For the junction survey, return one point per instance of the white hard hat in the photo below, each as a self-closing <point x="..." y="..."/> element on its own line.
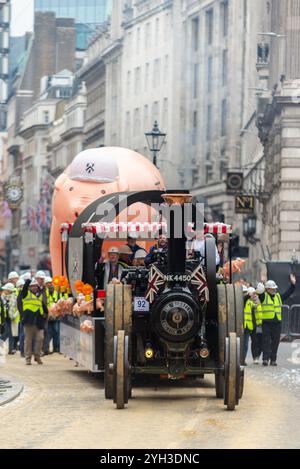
<point x="12" y="275"/>
<point x="40" y="274"/>
<point x="132" y="235"/>
<point x="9" y="286"/>
<point x="140" y="254"/>
<point x="33" y="282"/>
<point x="245" y="289"/>
<point x="270" y="284"/>
<point x="48" y="280"/>
<point x="251" y="290"/>
<point x="125" y="250"/>
<point x="20" y="283"/>
<point x="113" y="249"/>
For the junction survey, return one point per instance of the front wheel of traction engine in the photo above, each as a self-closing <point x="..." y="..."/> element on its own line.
<point x="230" y="320"/>
<point x="121" y="370"/>
<point x="232" y="372"/>
<point x="118" y="313"/>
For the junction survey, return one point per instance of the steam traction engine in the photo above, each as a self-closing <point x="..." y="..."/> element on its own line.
<point x="171" y="317"/>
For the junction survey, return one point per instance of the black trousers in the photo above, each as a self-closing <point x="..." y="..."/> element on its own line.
<point x="271" y="340"/>
<point x="256" y="345"/>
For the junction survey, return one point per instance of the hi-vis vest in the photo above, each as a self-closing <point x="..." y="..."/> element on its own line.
<point x="271" y="308"/>
<point x="51" y="299"/>
<point x="33" y="303"/>
<point x="248" y="315"/>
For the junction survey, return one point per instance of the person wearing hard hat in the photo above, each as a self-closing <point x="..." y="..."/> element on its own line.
<point x="7" y="291"/>
<point x="139" y="258"/>
<point x="252" y="316"/>
<point x="125" y="257"/>
<point x="14" y="312"/>
<point x="13" y="277"/>
<point x="20" y="284"/>
<point x="271" y="304"/>
<point x="110" y="270"/>
<point x="40" y="277"/>
<point x="53" y="322"/>
<point x="34" y="315"/>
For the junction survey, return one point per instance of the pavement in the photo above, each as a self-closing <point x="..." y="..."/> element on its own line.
<point x="10" y="388"/>
<point x="63" y="406"/>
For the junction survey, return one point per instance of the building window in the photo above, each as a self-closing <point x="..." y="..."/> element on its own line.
<point x="128" y="83"/>
<point x="165" y="114"/>
<point x="209" y="174"/>
<point x="156" y="37"/>
<point x="128" y="127"/>
<point x="223" y="168"/>
<point x="46" y="117"/>
<point x="167" y="27"/>
<point x="210" y="26"/>
<point x="195" y="128"/>
<point x="156" y="73"/>
<point x="208" y="128"/>
<point x="224" y="67"/>
<point x="166" y="70"/>
<point x="129" y="40"/>
<point x="146" y="117"/>
<point x="147" y="35"/>
<point x="195" y="81"/>
<point x="225" y="17"/>
<point x="147" y="75"/>
<point x="137" y="122"/>
<point x="155" y="111"/>
<point x="138" y="40"/>
<point x="224" y="118"/>
<point x="195" y="34"/>
<point x="137" y="81"/>
<point x="209" y="74"/>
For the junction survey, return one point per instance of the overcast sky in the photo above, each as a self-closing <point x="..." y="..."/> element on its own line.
<point x="22" y="17"/>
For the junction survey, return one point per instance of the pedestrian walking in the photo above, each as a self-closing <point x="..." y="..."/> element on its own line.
<point x="252" y="316"/>
<point x="14" y="314"/>
<point x="40" y="277"/>
<point x="20" y="284"/>
<point x="7" y="291"/>
<point x="53" y="330"/>
<point x="34" y="314"/>
<point x="271" y="303"/>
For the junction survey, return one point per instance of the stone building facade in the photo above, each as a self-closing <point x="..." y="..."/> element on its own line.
<point x="278" y="123"/>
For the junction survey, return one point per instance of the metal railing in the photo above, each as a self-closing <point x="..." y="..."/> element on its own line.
<point x="291" y="321"/>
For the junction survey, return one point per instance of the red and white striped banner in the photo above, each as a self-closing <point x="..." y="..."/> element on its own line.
<point x="138" y="227"/>
<point x="217" y="228"/>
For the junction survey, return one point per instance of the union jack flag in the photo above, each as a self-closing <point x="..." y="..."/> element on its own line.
<point x="42" y="216"/>
<point x="31" y="219"/>
<point x="198" y="278"/>
<point x="156" y="280"/>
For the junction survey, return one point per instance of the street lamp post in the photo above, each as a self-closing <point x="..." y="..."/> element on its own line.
<point x="155" y="140"/>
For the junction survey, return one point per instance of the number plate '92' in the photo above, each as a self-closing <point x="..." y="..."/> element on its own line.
<point x="141" y="304"/>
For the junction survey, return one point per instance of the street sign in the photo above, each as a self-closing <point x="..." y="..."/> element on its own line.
<point x="244" y="204"/>
<point x="234" y="183"/>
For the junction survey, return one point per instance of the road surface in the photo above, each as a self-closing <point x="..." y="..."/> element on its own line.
<point x="64" y="407"/>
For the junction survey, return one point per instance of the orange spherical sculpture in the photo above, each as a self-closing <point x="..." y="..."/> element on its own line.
<point x="92" y="174"/>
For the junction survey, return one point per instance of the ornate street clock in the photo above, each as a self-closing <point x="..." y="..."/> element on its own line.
<point x="14" y="195"/>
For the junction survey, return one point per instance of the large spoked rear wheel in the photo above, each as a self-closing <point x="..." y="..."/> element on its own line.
<point x="232" y="371"/>
<point x="118" y="314"/>
<point x="121" y="370"/>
